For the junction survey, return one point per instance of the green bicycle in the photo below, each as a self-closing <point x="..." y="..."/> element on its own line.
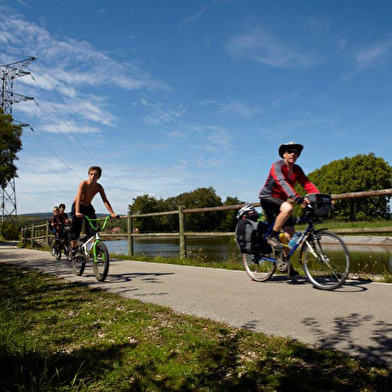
<point x="92" y="247"/>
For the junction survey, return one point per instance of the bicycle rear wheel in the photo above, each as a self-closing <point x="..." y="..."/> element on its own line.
<point x="326" y="260"/>
<point x="101" y="265"/>
<point x="258" y="269"/>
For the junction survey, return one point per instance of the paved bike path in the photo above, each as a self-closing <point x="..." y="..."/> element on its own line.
<point x="357" y="318"/>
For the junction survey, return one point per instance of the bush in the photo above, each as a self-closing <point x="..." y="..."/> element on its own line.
<point x="10" y="230"/>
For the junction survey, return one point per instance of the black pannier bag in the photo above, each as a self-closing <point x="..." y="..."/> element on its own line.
<point x="249" y="236"/>
<point x="321" y="203"/>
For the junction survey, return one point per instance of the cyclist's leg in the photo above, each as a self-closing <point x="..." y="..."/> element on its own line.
<point x="90" y="212"/>
<point x="274" y="207"/>
<point x="285" y="212"/>
<point x="75" y="229"/>
<point x="289" y="231"/>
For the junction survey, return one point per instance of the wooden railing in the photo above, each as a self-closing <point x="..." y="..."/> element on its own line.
<point x="42" y="232"/>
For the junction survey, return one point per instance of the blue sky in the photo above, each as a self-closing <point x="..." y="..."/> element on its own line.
<point x="171" y="95"/>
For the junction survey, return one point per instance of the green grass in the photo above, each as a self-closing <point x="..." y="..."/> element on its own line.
<point x="350" y="225"/>
<point x="58" y="336"/>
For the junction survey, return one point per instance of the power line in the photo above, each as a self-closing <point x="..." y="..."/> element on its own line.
<point x="96" y="152"/>
<point x="60" y="133"/>
<point x="43" y="163"/>
<point x="27" y="167"/>
<point x="53" y="151"/>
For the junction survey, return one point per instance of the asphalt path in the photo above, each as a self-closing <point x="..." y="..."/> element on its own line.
<point x="356" y="318"/>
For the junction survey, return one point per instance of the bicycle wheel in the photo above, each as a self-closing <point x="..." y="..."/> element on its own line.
<point x="57" y="253"/>
<point x="78" y="264"/>
<point x="258" y="269"/>
<point x="101" y="265"/>
<point x="53" y="249"/>
<point x="326" y="260"/>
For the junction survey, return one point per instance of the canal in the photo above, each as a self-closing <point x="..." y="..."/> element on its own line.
<point x="368" y="258"/>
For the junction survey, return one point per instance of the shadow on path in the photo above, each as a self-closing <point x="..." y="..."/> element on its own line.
<point x="379" y="351"/>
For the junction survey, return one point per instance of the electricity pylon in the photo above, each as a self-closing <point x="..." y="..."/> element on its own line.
<point x="8" y="73"/>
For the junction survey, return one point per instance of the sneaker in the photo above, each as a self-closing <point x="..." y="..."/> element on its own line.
<point x="274" y="242"/>
<point x="293" y="272"/>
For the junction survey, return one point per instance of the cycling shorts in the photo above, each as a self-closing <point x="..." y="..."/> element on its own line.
<point x="271" y="208"/>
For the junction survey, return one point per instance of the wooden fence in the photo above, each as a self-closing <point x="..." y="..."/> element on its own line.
<point x="42" y="232"/>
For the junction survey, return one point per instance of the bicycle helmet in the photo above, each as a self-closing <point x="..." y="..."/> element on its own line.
<point x="248" y="211"/>
<point x="288" y="146"/>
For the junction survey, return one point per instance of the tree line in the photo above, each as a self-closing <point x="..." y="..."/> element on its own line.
<point x="198" y="198"/>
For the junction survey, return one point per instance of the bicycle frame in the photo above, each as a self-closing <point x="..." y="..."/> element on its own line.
<point x="92" y="242"/>
<point x="308" y="229"/>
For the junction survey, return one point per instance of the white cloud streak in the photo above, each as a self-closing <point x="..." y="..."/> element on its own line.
<point x="259" y="46"/>
<point x="160" y="112"/>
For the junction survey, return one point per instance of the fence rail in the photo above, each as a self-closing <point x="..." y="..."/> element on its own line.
<point x="42" y="232"/>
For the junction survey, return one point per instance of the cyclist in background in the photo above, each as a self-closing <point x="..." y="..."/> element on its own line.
<point x="54" y="221"/>
<point x="278" y="188"/>
<point x="62" y="214"/>
<point x="63" y="218"/>
<point x="82" y="205"/>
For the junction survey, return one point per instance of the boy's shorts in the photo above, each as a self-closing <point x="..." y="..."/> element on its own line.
<point x="78" y="222"/>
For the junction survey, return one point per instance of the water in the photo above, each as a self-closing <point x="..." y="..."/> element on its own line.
<point x="369" y="259"/>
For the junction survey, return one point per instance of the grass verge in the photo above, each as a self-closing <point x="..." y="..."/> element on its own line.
<point x="58" y="336"/>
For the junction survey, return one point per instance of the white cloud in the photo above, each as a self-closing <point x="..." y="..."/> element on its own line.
<point x="257" y="45"/>
<point x="69" y="61"/>
<point x="24" y="3"/>
<point x="372" y="54"/>
<point x="196" y="15"/>
<point x="234" y="106"/>
<point x="161" y="112"/>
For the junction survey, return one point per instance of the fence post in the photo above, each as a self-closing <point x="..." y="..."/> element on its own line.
<point x="32" y="235"/>
<point x="181" y="219"/>
<point x="21" y="236"/>
<point x="47" y="233"/>
<point x="130" y="237"/>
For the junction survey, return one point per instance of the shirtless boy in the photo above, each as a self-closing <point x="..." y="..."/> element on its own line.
<point x="82" y="205"/>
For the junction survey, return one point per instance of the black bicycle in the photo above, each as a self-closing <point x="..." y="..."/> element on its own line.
<point x="323" y="255"/>
<point x="61" y="243"/>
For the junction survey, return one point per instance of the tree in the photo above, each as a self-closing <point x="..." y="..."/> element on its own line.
<point x="229" y="220"/>
<point x="199" y="198"/>
<point x="144" y="205"/>
<point x="10" y="145"/>
<point x="359" y="173"/>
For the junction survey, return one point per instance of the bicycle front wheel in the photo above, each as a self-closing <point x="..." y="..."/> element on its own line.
<point x="101" y="264"/>
<point x="78" y="264"/>
<point x="326" y="260"/>
<point x="258" y="269"/>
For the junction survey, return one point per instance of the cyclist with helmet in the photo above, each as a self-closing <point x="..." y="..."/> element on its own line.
<point x="278" y="188"/>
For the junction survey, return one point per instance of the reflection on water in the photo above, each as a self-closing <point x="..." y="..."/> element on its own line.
<point x="369" y="259"/>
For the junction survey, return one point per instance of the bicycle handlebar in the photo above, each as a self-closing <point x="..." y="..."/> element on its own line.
<point x="105" y="219"/>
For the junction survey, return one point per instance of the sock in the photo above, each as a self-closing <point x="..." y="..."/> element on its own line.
<point x="274" y="233"/>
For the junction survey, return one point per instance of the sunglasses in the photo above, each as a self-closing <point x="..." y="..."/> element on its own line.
<point x="291" y="151"/>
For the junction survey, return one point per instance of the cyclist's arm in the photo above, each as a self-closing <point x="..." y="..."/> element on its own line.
<point x="106" y="202"/>
<point x="78" y="199"/>
<point x="306" y="183"/>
